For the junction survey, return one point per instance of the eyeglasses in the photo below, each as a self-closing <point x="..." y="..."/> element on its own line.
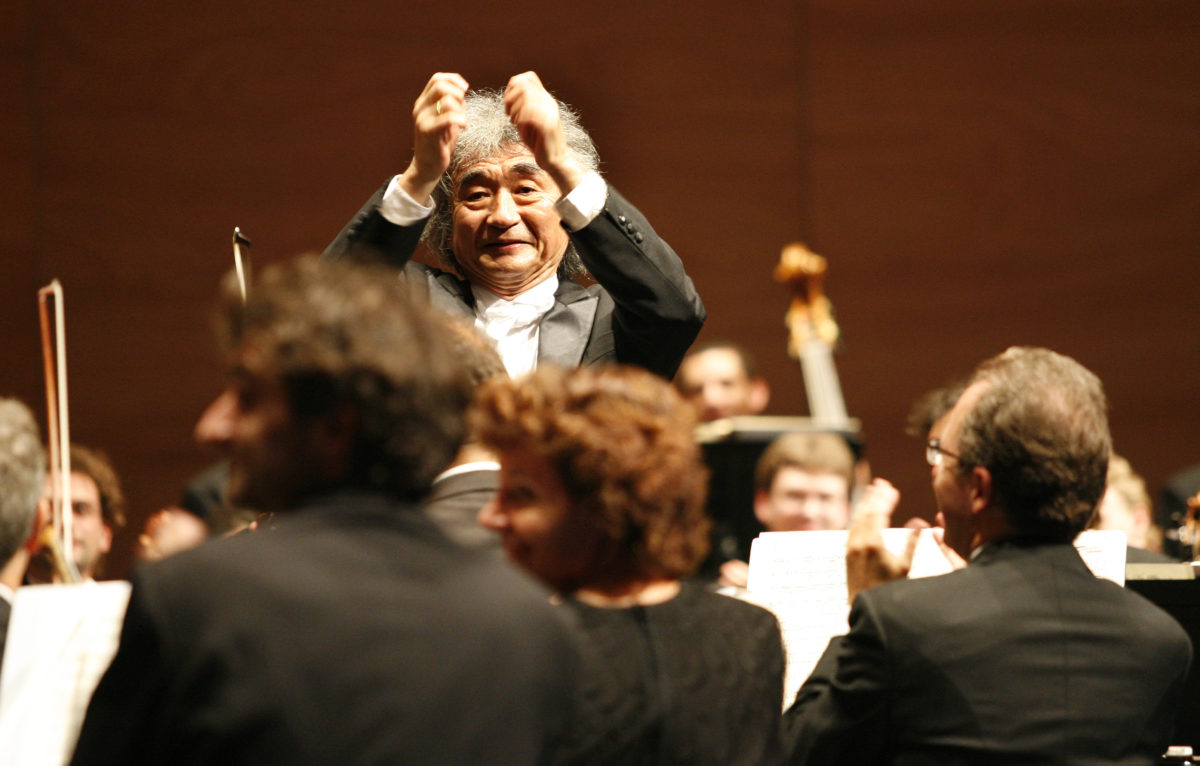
<point x="934" y="453"/>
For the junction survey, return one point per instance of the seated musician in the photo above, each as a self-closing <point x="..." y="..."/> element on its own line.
<point x="721" y="380"/>
<point x="802" y="482"/>
<point x="97" y="513"/>
<point x="352" y="631"/>
<point x="22" y="472"/>
<point x="1024" y="656"/>
<point x="602" y="498"/>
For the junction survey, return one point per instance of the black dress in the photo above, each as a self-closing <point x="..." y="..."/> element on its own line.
<point x="694" y="680"/>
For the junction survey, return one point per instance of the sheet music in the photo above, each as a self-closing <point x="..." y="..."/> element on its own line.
<point x="61" y="639"/>
<point x="801" y="577"/>
<point x="1104" y="550"/>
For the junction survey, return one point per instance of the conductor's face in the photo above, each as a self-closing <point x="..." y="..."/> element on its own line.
<point x="507" y="234"/>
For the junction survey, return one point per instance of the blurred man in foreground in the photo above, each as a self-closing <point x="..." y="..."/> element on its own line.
<point x="352" y="630"/>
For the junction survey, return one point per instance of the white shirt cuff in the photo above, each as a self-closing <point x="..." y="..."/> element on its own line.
<point x="581" y="206"/>
<point x="401" y="209"/>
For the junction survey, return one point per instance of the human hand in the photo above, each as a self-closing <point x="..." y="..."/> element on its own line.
<point x="438" y="118"/>
<point x="170" y="531"/>
<point x="939" y="534"/>
<point x="534" y="112"/>
<point x="868" y="561"/>
<point x="735" y="573"/>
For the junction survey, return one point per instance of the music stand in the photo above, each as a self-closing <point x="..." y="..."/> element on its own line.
<point x="1181" y="599"/>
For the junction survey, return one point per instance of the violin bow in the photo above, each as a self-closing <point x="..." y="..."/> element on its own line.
<point x="241" y="263"/>
<point x="57" y="537"/>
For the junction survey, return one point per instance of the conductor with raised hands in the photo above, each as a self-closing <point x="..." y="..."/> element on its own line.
<point x="504" y="188"/>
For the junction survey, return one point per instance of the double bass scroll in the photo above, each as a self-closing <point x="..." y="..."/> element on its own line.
<point x="812" y="333"/>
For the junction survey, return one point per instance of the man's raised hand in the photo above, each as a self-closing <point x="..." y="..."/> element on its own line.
<point x="438" y="118"/>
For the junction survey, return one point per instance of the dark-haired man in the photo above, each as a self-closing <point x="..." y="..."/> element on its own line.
<point x="1023" y="657"/>
<point x="721" y="380"/>
<point x="351" y="630"/>
<point x="504" y="189"/>
<point x="97" y="511"/>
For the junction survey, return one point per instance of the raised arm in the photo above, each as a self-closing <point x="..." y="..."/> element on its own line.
<point x="388" y="228"/>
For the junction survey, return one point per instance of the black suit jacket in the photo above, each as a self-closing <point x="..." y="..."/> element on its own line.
<point x="644" y="311"/>
<point x="1024" y="657"/>
<point x="354" y="632"/>
<point x="454" y="504"/>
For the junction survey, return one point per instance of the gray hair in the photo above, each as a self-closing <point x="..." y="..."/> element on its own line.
<point x="22" y="473"/>
<point x="490" y="133"/>
<point x="1041" y="430"/>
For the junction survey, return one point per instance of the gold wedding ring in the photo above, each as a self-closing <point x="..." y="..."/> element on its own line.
<point x="438" y="106"/>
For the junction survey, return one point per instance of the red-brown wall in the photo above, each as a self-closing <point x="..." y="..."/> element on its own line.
<point x="978" y="174"/>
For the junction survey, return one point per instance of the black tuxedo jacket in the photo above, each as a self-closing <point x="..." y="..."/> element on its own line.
<point x="353" y="632"/>
<point x="643" y="311"/>
<point x="454" y="504"/>
<point x="1024" y="657"/>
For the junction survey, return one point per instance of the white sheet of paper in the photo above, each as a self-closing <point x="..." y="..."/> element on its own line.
<point x="61" y="639"/>
<point x="1104" y="550"/>
<point x="801" y="577"/>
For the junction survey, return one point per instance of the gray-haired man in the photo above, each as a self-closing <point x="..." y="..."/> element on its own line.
<point x="504" y="188"/>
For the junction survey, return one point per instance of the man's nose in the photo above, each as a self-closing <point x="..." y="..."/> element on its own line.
<point x="711" y="393"/>
<point x="216" y="424"/>
<point x="503" y="212"/>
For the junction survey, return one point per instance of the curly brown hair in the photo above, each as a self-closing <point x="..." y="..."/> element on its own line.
<point x="96" y="466"/>
<point x="622" y="443"/>
<point x="338" y="334"/>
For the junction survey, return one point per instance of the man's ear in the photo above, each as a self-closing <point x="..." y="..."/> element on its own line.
<point x="762" y="506"/>
<point x="760" y="395"/>
<point x="979" y="483"/>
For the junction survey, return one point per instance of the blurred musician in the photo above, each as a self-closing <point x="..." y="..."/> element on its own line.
<point x="22" y="471"/>
<point x="1024" y="656"/>
<point x="98" y="511"/>
<point x="351" y="630"/>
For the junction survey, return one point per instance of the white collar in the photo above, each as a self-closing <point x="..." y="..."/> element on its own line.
<point x="528" y="306"/>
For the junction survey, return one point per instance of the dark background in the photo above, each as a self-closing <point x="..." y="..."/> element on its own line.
<point x="979" y="173"/>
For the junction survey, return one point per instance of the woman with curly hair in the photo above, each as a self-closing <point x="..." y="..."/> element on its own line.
<point x="602" y="498"/>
